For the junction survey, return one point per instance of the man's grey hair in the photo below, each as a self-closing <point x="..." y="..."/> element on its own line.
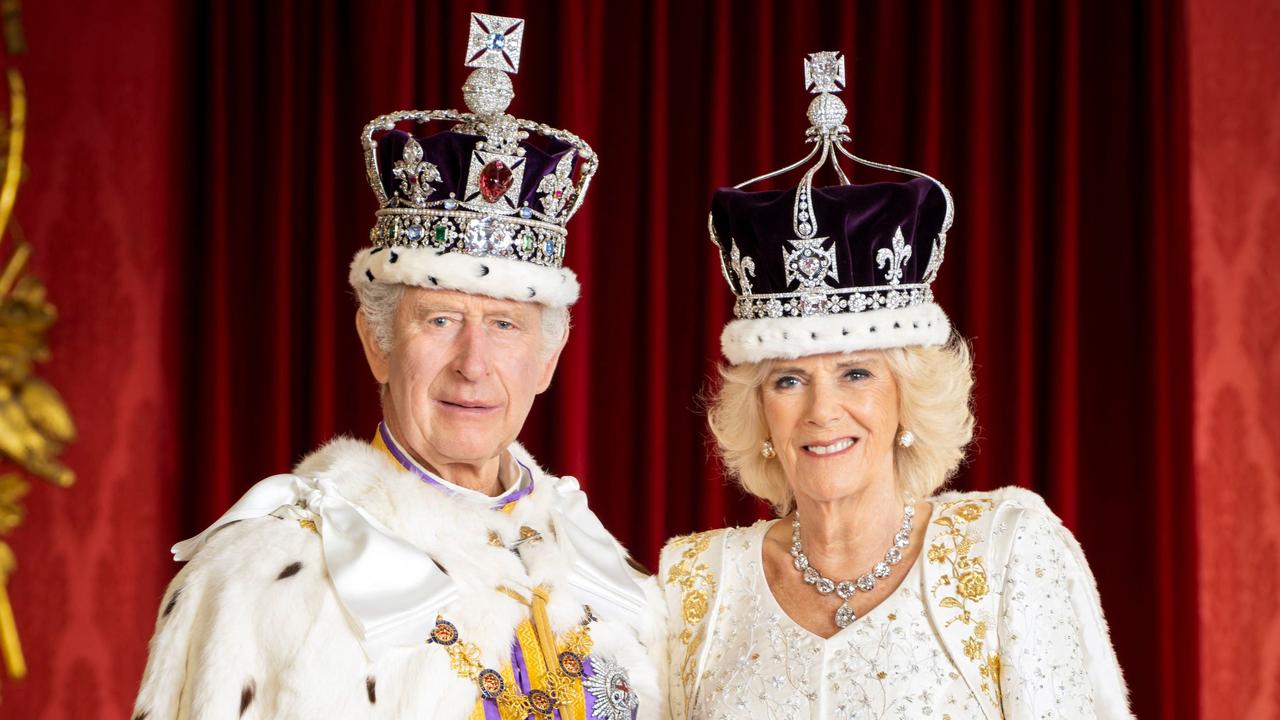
<point x="378" y="302"/>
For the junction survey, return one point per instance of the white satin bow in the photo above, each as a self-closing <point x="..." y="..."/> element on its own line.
<point x="599" y="572"/>
<point x="390" y="589"/>
<point x="393" y="591"/>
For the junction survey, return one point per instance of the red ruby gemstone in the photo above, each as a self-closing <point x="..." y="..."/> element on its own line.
<point x="495" y="180"/>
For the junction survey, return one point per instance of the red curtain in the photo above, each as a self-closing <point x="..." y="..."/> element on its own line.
<point x="1060" y="129"/>
<point x="1056" y="125"/>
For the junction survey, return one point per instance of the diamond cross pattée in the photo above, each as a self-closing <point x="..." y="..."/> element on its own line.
<point x="494" y="42"/>
<point x="810" y="263"/>
<point x="824" y="72"/>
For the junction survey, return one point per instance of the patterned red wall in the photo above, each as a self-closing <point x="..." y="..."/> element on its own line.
<point x="1235" y="169"/>
<point x="101" y="190"/>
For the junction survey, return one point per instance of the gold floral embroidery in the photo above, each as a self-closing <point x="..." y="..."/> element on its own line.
<point x="939" y="553"/>
<point x="991" y="671"/>
<point x="965" y="585"/>
<point x="972" y="585"/>
<point x="697" y="587"/>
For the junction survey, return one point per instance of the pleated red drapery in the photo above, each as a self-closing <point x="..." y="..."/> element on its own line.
<point x="1058" y="127"/>
<point x="1053" y="125"/>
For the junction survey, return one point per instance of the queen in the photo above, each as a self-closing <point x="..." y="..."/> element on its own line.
<point x="845" y="405"/>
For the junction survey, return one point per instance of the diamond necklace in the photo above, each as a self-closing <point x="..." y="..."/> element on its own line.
<point x="845" y="589"/>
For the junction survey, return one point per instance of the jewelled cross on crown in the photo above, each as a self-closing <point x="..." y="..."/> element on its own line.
<point x="493" y="49"/>
<point x="811" y="262"/>
<point x="497" y="164"/>
<point x="495" y="42"/>
<point x="824" y="72"/>
<point x="824" y="75"/>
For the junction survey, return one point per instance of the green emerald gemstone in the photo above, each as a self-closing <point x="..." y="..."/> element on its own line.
<point x="442" y="233"/>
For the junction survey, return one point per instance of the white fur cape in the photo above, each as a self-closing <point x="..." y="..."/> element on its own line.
<point x="251" y="626"/>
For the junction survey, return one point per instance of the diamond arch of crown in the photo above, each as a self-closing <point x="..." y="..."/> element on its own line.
<point x="385" y="123"/>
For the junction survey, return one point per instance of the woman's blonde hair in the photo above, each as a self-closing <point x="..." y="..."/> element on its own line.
<point x="935" y="386"/>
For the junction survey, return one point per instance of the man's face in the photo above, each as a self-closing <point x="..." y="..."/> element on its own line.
<point x="462" y="373"/>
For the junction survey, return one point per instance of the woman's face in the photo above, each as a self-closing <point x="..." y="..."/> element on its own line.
<point x="833" y="420"/>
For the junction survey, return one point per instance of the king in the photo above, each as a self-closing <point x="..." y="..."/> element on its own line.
<point x="437" y="571"/>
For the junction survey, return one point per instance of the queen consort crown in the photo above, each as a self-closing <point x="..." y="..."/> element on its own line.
<point x="837" y="268"/>
<point x="811" y="251"/>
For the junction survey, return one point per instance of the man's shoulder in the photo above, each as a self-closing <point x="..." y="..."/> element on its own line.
<point x="343" y="458"/>
<point x="280" y="544"/>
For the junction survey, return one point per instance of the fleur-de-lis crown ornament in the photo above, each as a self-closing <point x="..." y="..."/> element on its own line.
<point x="481" y="205"/>
<point x="837" y="268"/>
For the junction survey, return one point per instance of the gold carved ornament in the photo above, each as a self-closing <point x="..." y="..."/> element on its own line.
<point x="34" y="422"/>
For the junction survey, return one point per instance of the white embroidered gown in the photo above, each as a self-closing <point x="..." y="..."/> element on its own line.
<point x="960" y="619"/>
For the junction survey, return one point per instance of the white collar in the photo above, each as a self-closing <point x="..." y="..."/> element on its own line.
<point x="522" y="474"/>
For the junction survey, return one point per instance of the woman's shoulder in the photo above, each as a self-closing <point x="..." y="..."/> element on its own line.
<point x="1004" y="524"/>
<point x="682" y="553"/>
<point x="686" y="548"/>
<point x="991" y="508"/>
<point x="699" y="542"/>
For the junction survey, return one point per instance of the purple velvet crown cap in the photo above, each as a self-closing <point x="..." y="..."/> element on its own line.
<point x="450" y="151"/>
<point x="857" y="221"/>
